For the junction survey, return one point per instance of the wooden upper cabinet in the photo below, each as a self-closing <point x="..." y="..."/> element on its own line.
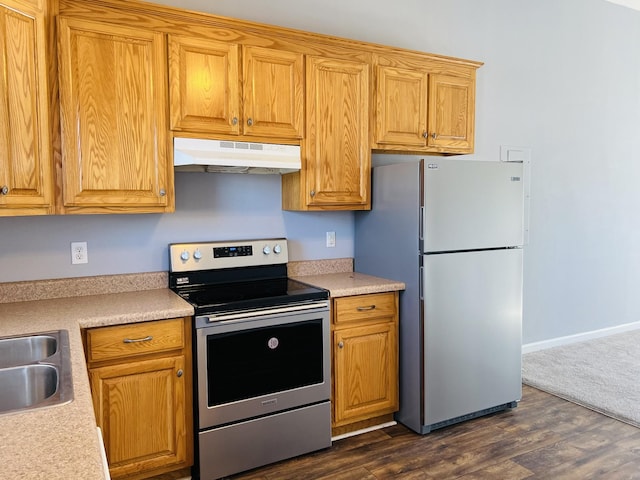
<point x="424" y="107"/>
<point x="26" y="182"/>
<point x="401" y="110"/>
<point x="113" y="109"/>
<point x="204" y="85"/>
<point x="451" y="112"/>
<point x="337" y="157"/>
<point x="225" y="88"/>
<point x="273" y="92"/>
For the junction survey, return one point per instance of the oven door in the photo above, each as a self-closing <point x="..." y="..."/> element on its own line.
<point x="250" y="367"/>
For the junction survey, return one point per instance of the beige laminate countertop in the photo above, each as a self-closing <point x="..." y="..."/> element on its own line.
<point x="61" y="442"/>
<point x="351" y="283"/>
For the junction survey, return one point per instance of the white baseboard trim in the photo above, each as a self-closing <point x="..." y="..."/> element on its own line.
<point x="363" y="430"/>
<point x="579" y="337"/>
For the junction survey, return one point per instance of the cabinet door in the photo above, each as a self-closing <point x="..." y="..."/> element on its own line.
<point x="204" y="85"/>
<point x="113" y="102"/>
<point x="273" y="92"/>
<point x="401" y="106"/>
<point x="25" y="152"/>
<point x="365" y="372"/>
<point x="451" y="112"/>
<point x="140" y="407"/>
<point x="338" y="157"/>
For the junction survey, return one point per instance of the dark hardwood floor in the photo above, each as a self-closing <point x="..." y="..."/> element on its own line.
<point x="545" y="437"/>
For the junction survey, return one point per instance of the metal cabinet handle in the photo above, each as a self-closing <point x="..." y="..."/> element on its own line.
<point x="341" y="345"/>
<point x="434" y="135"/>
<point x="163" y="192"/>
<point x="250" y="122"/>
<point x="234" y="121"/>
<point x="4" y="190"/>
<point x="136" y="340"/>
<point x="425" y="134"/>
<point x="312" y="193"/>
<point x="179" y="373"/>
<point x="367" y="308"/>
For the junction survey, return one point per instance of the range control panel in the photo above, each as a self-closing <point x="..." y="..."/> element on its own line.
<point x="188" y="257"/>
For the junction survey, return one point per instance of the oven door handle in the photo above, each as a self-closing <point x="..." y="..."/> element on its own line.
<point x="247" y="314"/>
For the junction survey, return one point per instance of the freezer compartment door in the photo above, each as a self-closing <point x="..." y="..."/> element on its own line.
<point x="471" y="205"/>
<point x="472" y="332"/>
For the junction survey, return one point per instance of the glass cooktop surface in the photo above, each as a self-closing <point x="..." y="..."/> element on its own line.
<point x="255" y="294"/>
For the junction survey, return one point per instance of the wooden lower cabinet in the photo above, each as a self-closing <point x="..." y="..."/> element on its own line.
<point x="365" y="360"/>
<point x="141" y="387"/>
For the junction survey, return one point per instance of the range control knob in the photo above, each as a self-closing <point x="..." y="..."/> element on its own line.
<point x="277" y="249"/>
<point x="266" y="250"/>
<point x="197" y="254"/>
<point x="184" y="256"/>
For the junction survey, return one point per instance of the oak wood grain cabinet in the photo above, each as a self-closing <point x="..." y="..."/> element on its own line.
<point x="424" y="105"/>
<point x="336" y="166"/>
<point x="113" y="94"/>
<point x="26" y="173"/>
<point x="365" y="360"/>
<point x="141" y="382"/>
<point x="133" y="75"/>
<point x="227" y="88"/>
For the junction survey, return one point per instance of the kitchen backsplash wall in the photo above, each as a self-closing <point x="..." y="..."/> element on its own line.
<point x="208" y="207"/>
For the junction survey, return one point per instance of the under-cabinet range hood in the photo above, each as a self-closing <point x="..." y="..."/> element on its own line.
<point x="228" y="156"/>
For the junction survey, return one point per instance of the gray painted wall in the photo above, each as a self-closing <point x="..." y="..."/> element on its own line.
<point x="560" y="76"/>
<point x="208" y="207"/>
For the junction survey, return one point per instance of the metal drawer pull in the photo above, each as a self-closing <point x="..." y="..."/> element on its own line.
<point x="136" y="340"/>
<point x="179" y="373"/>
<point x="364" y="309"/>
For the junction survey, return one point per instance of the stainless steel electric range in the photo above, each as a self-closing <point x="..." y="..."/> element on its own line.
<point x="261" y="355"/>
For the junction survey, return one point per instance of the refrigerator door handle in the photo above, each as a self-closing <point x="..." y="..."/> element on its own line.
<point x="421" y="228"/>
<point x="420" y="286"/>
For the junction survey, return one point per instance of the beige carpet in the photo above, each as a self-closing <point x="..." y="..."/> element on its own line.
<point x="601" y="374"/>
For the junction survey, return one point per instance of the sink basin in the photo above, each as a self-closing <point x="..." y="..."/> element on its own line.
<point x="35" y="371"/>
<point x="22" y="350"/>
<point x="26" y="386"/>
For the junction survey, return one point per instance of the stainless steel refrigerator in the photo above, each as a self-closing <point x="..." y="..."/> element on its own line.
<point x="452" y="231"/>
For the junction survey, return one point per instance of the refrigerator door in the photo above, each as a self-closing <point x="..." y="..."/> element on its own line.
<point x="471" y="205"/>
<point x="472" y="332"/>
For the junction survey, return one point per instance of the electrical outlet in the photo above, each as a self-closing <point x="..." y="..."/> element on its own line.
<point x="79" y="253"/>
<point x="331" y="239"/>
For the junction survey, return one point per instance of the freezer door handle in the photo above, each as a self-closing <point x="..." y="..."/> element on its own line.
<point x="420" y="286"/>
<point x="421" y="226"/>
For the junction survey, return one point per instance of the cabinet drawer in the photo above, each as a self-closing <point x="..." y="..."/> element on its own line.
<point x="364" y="307"/>
<point x="108" y="343"/>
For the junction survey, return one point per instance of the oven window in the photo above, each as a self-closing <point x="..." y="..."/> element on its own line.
<point x="261" y="361"/>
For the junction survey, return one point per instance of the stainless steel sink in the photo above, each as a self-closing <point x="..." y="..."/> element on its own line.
<point x="22" y="350"/>
<point x="35" y="371"/>
<point x="26" y="386"/>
